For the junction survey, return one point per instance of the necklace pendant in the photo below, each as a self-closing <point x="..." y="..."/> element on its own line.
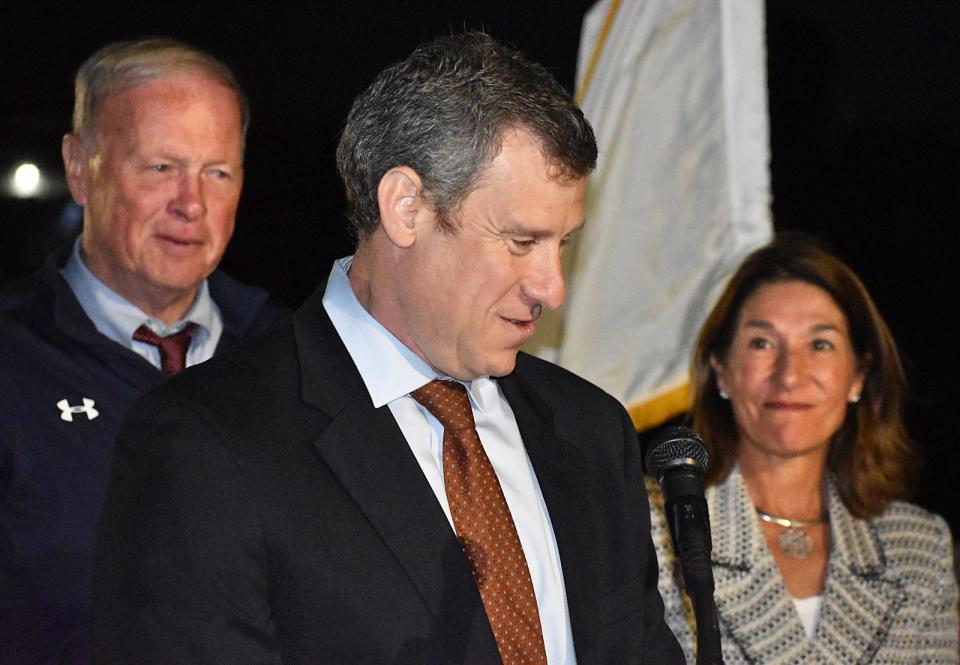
<point x="795" y="543"/>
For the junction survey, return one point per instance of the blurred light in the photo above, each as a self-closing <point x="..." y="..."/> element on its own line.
<point x="26" y="181"/>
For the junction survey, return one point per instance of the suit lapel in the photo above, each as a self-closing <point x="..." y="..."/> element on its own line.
<point x="365" y="448"/>
<point x="561" y="469"/>
<point x="751" y="597"/>
<point x="860" y="602"/>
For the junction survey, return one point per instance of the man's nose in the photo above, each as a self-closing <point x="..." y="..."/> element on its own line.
<point x="546" y="284"/>
<point x="190" y="202"/>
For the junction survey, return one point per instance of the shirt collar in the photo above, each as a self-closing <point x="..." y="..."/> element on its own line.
<point x="116" y="317"/>
<point x="388" y="368"/>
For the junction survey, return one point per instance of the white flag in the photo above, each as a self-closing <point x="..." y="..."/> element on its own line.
<point x="676" y="92"/>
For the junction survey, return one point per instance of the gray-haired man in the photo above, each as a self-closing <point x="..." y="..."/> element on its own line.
<point x="156" y="160"/>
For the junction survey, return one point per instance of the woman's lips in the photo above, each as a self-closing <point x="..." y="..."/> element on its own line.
<point x="787" y="406"/>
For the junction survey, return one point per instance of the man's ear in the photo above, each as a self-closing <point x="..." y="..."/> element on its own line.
<point x="401" y="203"/>
<point x="75" y="159"/>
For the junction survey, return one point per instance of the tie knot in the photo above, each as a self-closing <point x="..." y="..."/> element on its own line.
<point x="173" y="348"/>
<point x="448" y="402"/>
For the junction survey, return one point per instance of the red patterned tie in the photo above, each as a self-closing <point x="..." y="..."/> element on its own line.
<point x="485" y="527"/>
<point x="173" y="348"/>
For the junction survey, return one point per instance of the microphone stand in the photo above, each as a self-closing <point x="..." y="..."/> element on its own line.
<point x="678" y="459"/>
<point x="688" y="505"/>
<point x="708" y="631"/>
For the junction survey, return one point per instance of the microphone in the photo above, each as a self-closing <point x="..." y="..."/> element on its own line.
<point x="677" y="458"/>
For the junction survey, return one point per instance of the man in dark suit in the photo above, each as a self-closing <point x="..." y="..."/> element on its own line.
<point x="385" y="480"/>
<point x="156" y="160"/>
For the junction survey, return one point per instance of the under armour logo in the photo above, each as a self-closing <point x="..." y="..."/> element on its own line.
<point x="67" y="411"/>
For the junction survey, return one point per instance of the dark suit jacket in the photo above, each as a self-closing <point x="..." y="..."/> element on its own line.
<point x="260" y="510"/>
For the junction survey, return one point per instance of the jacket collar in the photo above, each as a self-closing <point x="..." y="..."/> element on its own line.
<point x="241" y="306"/>
<point x="753" y="602"/>
<point x="738" y="540"/>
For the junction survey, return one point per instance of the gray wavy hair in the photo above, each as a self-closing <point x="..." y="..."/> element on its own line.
<point x="443" y="112"/>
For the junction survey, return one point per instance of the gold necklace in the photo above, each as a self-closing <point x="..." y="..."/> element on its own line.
<point x="794" y="541"/>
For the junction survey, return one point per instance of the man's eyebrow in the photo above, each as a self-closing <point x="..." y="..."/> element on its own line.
<point x="519" y="228"/>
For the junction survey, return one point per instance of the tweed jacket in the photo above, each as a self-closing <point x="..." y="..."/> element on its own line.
<point x="890" y="596"/>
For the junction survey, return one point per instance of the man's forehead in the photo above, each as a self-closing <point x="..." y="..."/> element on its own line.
<point x="521" y="149"/>
<point x="153" y="97"/>
<point x="176" y="92"/>
<point x="162" y="113"/>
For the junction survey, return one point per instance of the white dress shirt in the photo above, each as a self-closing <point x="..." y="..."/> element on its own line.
<point x="390" y="372"/>
<point x="117" y="318"/>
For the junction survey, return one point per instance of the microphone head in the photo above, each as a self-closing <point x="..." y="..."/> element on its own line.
<point x="675" y="446"/>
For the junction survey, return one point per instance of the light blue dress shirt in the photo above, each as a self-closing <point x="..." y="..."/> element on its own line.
<point x="390" y="371"/>
<point x="117" y="318"/>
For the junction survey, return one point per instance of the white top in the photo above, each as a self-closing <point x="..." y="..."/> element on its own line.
<point x="390" y="371"/>
<point x="117" y="318"/>
<point x="809" y="611"/>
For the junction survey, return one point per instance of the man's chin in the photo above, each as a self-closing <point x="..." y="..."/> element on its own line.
<point x="176" y="278"/>
<point x="493" y="364"/>
<point x="504" y="366"/>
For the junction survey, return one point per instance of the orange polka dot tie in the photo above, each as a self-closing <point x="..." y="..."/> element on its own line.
<point x="485" y="527"/>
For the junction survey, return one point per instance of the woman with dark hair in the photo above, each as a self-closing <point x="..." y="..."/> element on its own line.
<point x="817" y="557"/>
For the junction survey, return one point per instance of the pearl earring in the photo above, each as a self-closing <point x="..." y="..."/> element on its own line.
<point x="724" y="394"/>
<point x="855" y="399"/>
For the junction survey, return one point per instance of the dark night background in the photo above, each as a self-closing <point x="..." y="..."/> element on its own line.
<point x="864" y="105"/>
